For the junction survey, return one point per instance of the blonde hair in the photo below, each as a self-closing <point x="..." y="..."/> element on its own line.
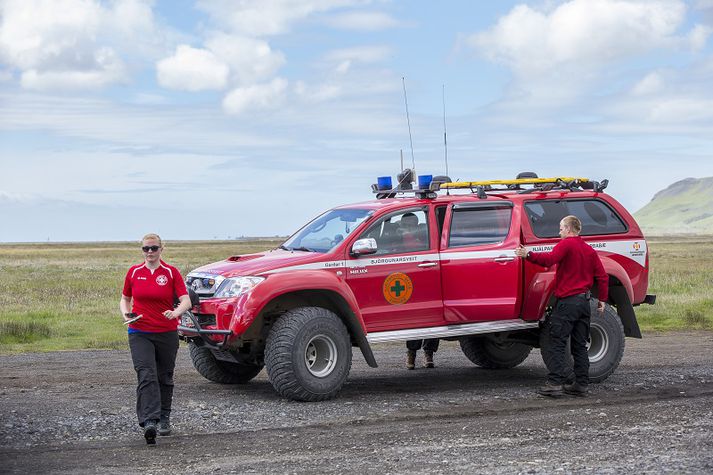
<point x="573" y="223"/>
<point x="152" y="236"/>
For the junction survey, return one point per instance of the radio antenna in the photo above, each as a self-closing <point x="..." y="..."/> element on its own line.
<point x="445" y="140"/>
<point x="408" y="121"/>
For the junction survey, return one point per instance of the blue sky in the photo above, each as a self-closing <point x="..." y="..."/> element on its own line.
<point x="208" y="119"/>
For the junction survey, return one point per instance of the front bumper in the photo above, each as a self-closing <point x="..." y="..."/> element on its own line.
<point x="191" y="328"/>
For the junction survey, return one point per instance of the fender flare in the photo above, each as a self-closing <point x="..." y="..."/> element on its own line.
<point x="621" y="296"/>
<point x="321" y="282"/>
<point x="614" y="269"/>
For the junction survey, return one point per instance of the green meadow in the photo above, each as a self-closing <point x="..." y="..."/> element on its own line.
<point x="65" y="296"/>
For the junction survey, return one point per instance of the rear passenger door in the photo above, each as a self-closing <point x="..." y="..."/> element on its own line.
<point x="480" y="275"/>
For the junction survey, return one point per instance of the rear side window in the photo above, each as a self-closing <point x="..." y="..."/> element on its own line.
<point x="596" y="216"/>
<point x="477" y="226"/>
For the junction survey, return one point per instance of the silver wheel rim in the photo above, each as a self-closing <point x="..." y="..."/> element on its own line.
<point x="321" y="356"/>
<point x="598" y="345"/>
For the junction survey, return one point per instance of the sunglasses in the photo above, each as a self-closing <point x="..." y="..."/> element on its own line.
<point x="150" y="248"/>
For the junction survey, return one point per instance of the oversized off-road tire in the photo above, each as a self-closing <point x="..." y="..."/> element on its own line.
<point x="219" y="371"/>
<point x="308" y="354"/>
<point x="488" y="353"/>
<point x="606" y="347"/>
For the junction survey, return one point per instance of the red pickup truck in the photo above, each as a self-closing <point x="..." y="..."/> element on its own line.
<point x="412" y="264"/>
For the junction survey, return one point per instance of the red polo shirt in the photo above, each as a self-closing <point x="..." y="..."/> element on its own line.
<point x="153" y="293"/>
<point x="578" y="265"/>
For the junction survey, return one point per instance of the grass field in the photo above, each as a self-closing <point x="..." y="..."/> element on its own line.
<point x="65" y="296"/>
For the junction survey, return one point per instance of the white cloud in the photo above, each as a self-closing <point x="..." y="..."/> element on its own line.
<point x="192" y="69"/>
<point x="583" y="33"/>
<point x="362" y="54"/>
<point x="681" y="110"/>
<point x="363" y="21"/>
<point x="250" y="60"/>
<point x="11" y="197"/>
<point x="699" y="36"/>
<point x="266" y="17"/>
<point x="318" y="93"/>
<point x="74" y="43"/>
<point x="650" y="84"/>
<point x="258" y="96"/>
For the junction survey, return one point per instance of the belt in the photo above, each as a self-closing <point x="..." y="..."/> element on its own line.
<point x="585" y="295"/>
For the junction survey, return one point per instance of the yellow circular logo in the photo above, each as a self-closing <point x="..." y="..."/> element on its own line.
<point x="397" y="288"/>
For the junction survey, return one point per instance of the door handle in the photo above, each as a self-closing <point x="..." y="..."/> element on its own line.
<point x="504" y="259"/>
<point x="428" y="264"/>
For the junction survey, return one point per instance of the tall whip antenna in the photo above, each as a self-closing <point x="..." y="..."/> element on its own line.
<point x="408" y="121"/>
<point x="445" y="141"/>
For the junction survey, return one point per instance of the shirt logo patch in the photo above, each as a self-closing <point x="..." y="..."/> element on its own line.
<point x="397" y="288"/>
<point x="162" y="280"/>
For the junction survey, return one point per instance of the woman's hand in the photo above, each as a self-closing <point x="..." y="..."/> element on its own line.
<point x="131" y="317"/>
<point x="172" y="314"/>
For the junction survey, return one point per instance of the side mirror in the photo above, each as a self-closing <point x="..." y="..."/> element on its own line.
<point x="363" y="247"/>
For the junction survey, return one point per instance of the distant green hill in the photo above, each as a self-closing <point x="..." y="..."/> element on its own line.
<point x="685" y="207"/>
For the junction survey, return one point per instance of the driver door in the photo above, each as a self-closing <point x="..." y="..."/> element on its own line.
<point x="399" y="287"/>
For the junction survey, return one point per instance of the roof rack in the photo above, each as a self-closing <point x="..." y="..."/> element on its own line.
<point x="536" y="185"/>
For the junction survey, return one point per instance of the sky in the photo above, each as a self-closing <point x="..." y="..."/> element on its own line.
<point x="215" y="119"/>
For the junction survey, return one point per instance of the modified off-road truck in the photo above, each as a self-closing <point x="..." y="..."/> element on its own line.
<point x="429" y="260"/>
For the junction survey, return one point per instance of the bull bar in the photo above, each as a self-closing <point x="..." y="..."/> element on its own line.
<point x="202" y="332"/>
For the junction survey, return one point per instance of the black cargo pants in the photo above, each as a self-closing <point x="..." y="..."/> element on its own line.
<point x="570" y="318"/>
<point x="429" y="344"/>
<point x="154" y="357"/>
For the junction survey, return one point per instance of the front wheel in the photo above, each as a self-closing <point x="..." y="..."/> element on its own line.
<point x="219" y="371"/>
<point x="308" y="354"/>
<point x="606" y="346"/>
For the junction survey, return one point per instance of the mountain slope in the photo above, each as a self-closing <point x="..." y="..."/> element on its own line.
<point x="684" y="207"/>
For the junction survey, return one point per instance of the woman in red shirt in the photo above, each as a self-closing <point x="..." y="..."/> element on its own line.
<point x="146" y="304"/>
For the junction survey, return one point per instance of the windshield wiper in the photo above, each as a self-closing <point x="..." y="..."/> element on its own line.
<point x="281" y="246"/>
<point x="302" y="248"/>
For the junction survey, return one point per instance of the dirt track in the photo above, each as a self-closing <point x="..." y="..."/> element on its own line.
<point x="72" y="412"/>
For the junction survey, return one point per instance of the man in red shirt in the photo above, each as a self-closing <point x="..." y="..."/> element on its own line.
<point x="578" y="266"/>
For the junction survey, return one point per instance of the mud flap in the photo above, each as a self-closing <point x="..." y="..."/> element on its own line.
<point x="625" y="310"/>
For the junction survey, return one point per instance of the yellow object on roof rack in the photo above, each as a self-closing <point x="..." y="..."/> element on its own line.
<point x="518" y="181"/>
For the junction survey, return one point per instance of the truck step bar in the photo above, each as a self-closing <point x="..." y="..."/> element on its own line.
<point x="451" y="331"/>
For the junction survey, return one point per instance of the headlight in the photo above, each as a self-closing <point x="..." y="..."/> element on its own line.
<point x="237" y="286"/>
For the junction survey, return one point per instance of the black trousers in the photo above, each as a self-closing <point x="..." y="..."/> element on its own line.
<point x="570" y="319"/>
<point x="154" y="357"/>
<point x="430" y="344"/>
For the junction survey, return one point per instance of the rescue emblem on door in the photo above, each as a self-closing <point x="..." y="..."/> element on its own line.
<point x="397" y="288"/>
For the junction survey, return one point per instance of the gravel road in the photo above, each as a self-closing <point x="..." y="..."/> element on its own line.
<point x="72" y="412"/>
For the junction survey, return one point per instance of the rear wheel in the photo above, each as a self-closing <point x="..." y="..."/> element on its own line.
<point x="220" y="371"/>
<point x="606" y="347"/>
<point x="308" y="354"/>
<point x="491" y="354"/>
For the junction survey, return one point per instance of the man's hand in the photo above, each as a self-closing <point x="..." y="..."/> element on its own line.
<point x="520" y="251"/>
<point x="600" y="308"/>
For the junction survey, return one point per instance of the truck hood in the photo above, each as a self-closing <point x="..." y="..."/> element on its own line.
<point x="262" y="262"/>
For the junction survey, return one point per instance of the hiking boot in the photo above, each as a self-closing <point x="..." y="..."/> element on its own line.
<point x="576" y="389"/>
<point x="164" y="426"/>
<point x="428" y="359"/>
<point x="411" y="359"/>
<point x="150" y="432"/>
<point x="551" y="389"/>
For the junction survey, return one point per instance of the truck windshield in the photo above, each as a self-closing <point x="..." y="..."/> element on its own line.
<point x="327" y="230"/>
